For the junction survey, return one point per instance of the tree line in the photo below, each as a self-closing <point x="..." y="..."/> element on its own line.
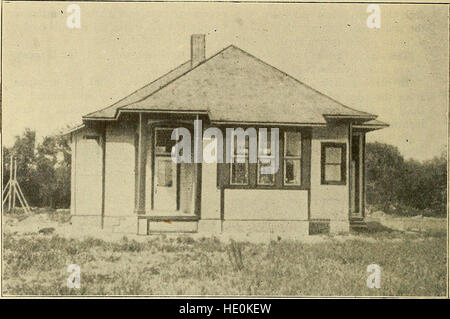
<point x="405" y="187"/>
<point x="43" y="169"/>
<point x="393" y="184"/>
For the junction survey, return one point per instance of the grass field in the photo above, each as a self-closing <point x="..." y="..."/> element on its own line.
<point x="413" y="263"/>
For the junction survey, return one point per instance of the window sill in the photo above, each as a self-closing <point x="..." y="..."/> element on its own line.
<point x="333" y="183"/>
<point x="170" y="218"/>
<point x="285" y="187"/>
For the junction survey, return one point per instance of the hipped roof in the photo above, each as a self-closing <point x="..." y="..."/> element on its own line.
<point x="234" y="86"/>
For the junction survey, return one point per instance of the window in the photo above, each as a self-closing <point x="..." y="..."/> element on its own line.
<point x="265" y="159"/>
<point x="164" y="172"/>
<point x="164" y="143"/>
<point x="333" y="163"/>
<point x="165" y="168"/>
<point x="253" y="166"/>
<point x="239" y="167"/>
<point x="292" y="158"/>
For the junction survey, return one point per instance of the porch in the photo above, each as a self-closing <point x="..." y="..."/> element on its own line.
<point x="165" y="191"/>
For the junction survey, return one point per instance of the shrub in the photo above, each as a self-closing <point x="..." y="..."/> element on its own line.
<point x="404" y="187"/>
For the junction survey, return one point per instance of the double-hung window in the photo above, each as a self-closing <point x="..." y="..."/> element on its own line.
<point x="272" y="166"/>
<point x="292" y="158"/>
<point x="239" y="166"/>
<point x="333" y="163"/>
<point x="265" y="162"/>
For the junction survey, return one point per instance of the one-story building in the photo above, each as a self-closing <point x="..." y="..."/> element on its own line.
<point x="123" y="178"/>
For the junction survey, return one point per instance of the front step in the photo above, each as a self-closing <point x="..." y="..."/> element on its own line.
<point x="172" y="227"/>
<point x="358" y="225"/>
<point x="149" y="224"/>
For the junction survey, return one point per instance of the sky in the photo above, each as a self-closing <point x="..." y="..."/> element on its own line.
<point x="52" y="75"/>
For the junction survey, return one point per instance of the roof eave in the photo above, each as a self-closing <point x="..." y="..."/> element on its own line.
<point x="266" y="123"/>
<point x="369" y="128"/>
<point x="73" y="129"/>
<point x="354" y="117"/>
<point x="121" y="110"/>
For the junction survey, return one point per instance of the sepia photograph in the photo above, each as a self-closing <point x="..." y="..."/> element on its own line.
<point x="214" y="149"/>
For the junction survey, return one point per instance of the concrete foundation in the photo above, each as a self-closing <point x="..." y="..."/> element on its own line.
<point x="339" y="226"/>
<point x="213" y="226"/>
<point x="120" y="224"/>
<point x="86" y="221"/>
<point x="141" y="226"/>
<point x="262" y="226"/>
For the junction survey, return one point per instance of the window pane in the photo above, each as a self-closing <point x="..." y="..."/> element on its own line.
<point x="293" y="142"/>
<point x="292" y="172"/>
<point x="164" y="171"/>
<point x="332" y="173"/>
<point x="239" y="173"/>
<point x="239" y="142"/>
<point x="265" y="149"/>
<point x="264" y="178"/>
<point x="333" y="155"/>
<point x="164" y="143"/>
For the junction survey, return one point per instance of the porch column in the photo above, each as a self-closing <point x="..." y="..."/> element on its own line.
<point x="141" y="163"/>
<point x="198" y="156"/>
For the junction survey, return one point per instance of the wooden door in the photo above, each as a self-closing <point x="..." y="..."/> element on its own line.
<point x="165" y="185"/>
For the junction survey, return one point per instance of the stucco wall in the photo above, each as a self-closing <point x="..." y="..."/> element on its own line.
<point x="265" y="204"/>
<point x="328" y="201"/>
<point x="119" y="169"/>
<point x="86" y="172"/>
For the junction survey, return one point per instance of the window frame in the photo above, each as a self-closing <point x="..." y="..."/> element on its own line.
<point x="343" y="164"/>
<point x="285" y="157"/>
<point x="156" y="152"/>
<point x="224" y="177"/>
<point x="234" y="156"/>
<point x="258" y="164"/>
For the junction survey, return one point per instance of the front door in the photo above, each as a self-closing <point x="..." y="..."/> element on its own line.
<point x="165" y="186"/>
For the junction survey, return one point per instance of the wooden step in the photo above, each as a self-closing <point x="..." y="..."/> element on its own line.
<point x="358" y="225"/>
<point x="167" y="224"/>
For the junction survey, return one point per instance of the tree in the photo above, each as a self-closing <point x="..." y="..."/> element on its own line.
<point x="63" y="171"/>
<point x="405" y="187"/>
<point x="384" y="174"/>
<point x="53" y="163"/>
<point x="24" y="151"/>
<point x="43" y="171"/>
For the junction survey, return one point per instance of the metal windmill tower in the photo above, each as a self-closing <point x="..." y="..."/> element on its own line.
<point x="12" y="190"/>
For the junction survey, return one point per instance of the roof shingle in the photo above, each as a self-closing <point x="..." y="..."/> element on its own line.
<point x="234" y="86"/>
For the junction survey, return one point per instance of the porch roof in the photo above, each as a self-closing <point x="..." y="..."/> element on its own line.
<point x="234" y="86"/>
<point x="371" y="125"/>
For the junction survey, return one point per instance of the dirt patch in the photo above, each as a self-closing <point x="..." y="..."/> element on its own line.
<point x="417" y="223"/>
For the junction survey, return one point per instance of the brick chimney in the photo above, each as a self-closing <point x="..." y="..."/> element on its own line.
<point x="197" y="49"/>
